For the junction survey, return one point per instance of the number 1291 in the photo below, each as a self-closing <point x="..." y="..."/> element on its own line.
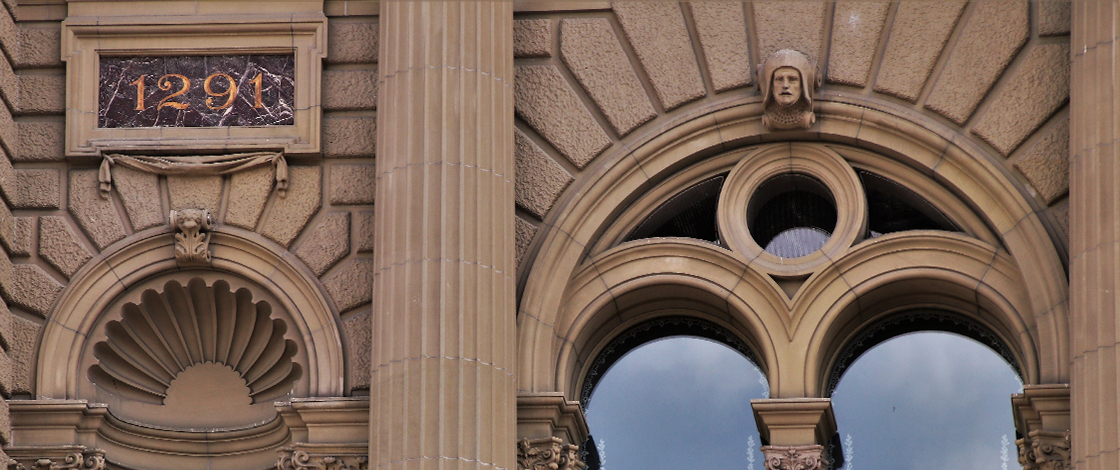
<point x="165" y="83"/>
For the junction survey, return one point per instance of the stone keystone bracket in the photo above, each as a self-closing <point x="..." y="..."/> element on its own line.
<point x="787" y="80"/>
<point x="548" y="453"/>
<point x="192" y="246"/>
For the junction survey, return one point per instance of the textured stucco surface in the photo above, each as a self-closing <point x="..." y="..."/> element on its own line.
<point x="327" y="243"/>
<point x="290" y="214"/>
<point x="1037" y="88"/>
<point x="98" y="217"/>
<point x="1046" y="163"/>
<point x="539" y="179"/>
<point x="532" y="38"/>
<point x="349" y="284"/>
<point x="918" y="34"/>
<point x="856" y="29"/>
<point x="545" y="101"/>
<point x="139" y="191"/>
<point x="722" y="30"/>
<point x="592" y="53"/>
<point x="657" y="32"/>
<point x="195" y="192"/>
<point x="248" y="193"/>
<point x="789" y="25"/>
<point x="60" y="246"/>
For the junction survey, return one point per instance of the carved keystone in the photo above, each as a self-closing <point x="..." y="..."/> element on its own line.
<point x="787" y="80"/>
<point x="192" y="246"/>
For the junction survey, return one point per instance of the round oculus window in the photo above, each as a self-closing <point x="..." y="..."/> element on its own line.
<point x="791" y="215"/>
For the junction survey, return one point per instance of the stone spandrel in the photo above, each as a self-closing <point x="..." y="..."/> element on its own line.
<point x="197" y="91"/>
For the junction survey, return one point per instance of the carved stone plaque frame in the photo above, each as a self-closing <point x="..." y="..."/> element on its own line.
<point x="87" y="38"/>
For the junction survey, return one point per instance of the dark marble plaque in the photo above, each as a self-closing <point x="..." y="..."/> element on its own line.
<point x="195" y="91"/>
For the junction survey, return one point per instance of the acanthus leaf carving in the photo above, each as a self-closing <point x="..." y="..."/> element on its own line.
<point x="1045" y="450"/>
<point x="794" y="457"/>
<point x="83" y="460"/>
<point x="192" y="244"/>
<point x="291" y="459"/>
<point x="548" y="453"/>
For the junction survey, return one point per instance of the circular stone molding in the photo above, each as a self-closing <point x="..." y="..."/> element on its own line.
<point x="766" y="164"/>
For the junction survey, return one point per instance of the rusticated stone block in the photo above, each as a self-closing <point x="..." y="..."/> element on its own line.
<point x="9" y="34"/>
<point x="539" y="179"/>
<point x="33" y="289"/>
<point x="97" y="217"/>
<point x="593" y="54"/>
<point x="7" y="228"/>
<point x="359" y="335"/>
<point x="1060" y="213"/>
<point x="7" y="275"/>
<point x="544" y="100"/>
<point x="363" y="231"/>
<point x="856" y="28"/>
<point x="532" y="38"/>
<point x="660" y="38"/>
<point x="38" y="189"/>
<point x="40" y="141"/>
<point x="1046" y="164"/>
<point x="1054" y="17"/>
<point x="352" y="42"/>
<point x="351" y="285"/>
<point x="349" y="137"/>
<point x="290" y="214"/>
<point x="345" y="90"/>
<point x="6" y="319"/>
<point x="24" y="233"/>
<point x="42" y="94"/>
<point x="248" y="193"/>
<point x="5" y="413"/>
<point x="22" y="353"/>
<point x="524" y="232"/>
<point x="7" y="177"/>
<point x="352" y="184"/>
<point x="139" y="192"/>
<point x="722" y="29"/>
<point x="918" y="34"/>
<point x="1039" y="87"/>
<point x="327" y="244"/>
<point x="9" y="134"/>
<point x="994" y="33"/>
<point x="40" y="45"/>
<point x="6" y="379"/>
<point x="789" y="25"/>
<point x="9" y="81"/>
<point x="60" y="246"/>
<point x="195" y="192"/>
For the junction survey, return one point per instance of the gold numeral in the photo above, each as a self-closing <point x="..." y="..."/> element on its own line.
<point x="164" y="83"/>
<point x="230" y="93"/>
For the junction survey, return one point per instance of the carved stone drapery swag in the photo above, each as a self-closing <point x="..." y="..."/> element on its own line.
<point x="1044" y="450"/>
<point x="794" y="457"/>
<point x="203" y="165"/>
<point x="548" y="453"/>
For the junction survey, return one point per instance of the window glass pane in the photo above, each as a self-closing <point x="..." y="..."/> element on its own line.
<point x="679" y="402"/>
<point x="927" y="400"/>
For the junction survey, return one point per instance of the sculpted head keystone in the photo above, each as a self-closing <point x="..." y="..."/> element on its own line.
<point x="787" y="79"/>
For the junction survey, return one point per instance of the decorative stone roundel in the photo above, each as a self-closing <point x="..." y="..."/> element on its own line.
<point x="171" y="330"/>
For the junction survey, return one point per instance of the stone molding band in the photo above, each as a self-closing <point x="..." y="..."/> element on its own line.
<point x="58" y="458"/>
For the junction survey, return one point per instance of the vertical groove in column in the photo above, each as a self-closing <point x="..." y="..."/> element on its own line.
<point x="1095" y="233"/>
<point x="443" y="393"/>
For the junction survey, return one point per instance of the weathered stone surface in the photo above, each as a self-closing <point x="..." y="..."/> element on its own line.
<point x="22" y="353"/>
<point x="1039" y="86"/>
<point x="1060" y="213"/>
<point x="660" y="39"/>
<point x="918" y="34"/>
<point x="33" y="289"/>
<point x="40" y="141"/>
<point x="23" y="237"/>
<point x="139" y="192"/>
<point x="327" y="243"/>
<point x="544" y="100"/>
<point x="7" y="275"/>
<point x="290" y="214"/>
<point x="5" y="413"/>
<point x="347" y="90"/>
<point x="789" y="25"/>
<point x="38" y="189"/>
<point x="7" y="177"/>
<point x="6" y="379"/>
<point x="532" y="38"/>
<point x="42" y="93"/>
<point x="195" y="192"/>
<point x="40" y="45"/>
<point x="359" y="335"/>
<point x="9" y="81"/>
<point x="1053" y="18"/>
<point x="593" y="54"/>
<point x="9" y="34"/>
<point x="97" y="217"/>
<point x="349" y="137"/>
<point x="994" y="33"/>
<point x="1046" y="164"/>
<point x="7" y="228"/>
<point x="722" y="29"/>
<point x="350" y="42"/>
<point x="350" y="284"/>
<point x="352" y="184"/>
<point x="524" y="231"/>
<point x="6" y="319"/>
<point x="60" y="246"/>
<point x="856" y="29"/>
<point x="248" y="193"/>
<point x="363" y="231"/>
<point x="539" y="179"/>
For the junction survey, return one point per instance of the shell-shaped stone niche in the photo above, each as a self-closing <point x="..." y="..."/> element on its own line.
<point x="176" y="328"/>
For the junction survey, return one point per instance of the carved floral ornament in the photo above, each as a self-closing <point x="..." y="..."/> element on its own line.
<point x="85" y="460"/>
<point x="1044" y="450"/>
<point x="291" y="459"/>
<point x="794" y="457"/>
<point x="547" y="454"/>
<point x="202" y="165"/>
<point x="192" y="246"/>
<point x="787" y="80"/>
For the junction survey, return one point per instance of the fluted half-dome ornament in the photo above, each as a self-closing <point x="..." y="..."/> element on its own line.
<point x="177" y="328"/>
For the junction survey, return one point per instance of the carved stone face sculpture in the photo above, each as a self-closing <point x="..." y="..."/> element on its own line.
<point x="786" y="86"/>
<point x="787" y="79"/>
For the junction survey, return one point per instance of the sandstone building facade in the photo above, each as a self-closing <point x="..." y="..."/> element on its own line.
<point x="351" y="234"/>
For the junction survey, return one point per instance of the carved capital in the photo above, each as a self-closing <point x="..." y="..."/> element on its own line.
<point x="1044" y="450"/>
<point x="548" y="453"/>
<point x="794" y="457"/>
<point x="76" y="459"/>
<point x="291" y="459"/>
<point x="192" y="245"/>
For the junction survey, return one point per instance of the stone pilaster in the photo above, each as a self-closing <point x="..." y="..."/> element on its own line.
<point x="797" y="431"/>
<point x="1094" y="235"/>
<point x="442" y="389"/>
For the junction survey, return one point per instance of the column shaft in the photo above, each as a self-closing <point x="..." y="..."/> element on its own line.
<point x="1095" y="233"/>
<point x="443" y="393"/>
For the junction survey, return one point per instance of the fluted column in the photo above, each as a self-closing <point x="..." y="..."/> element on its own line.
<point x="444" y="333"/>
<point x="1095" y="233"/>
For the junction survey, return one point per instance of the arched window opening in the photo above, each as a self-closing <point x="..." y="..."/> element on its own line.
<point x="891" y="207"/>
<point x="792" y="215"/>
<point x="690" y="213"/>
<point x="926" y="399"/>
